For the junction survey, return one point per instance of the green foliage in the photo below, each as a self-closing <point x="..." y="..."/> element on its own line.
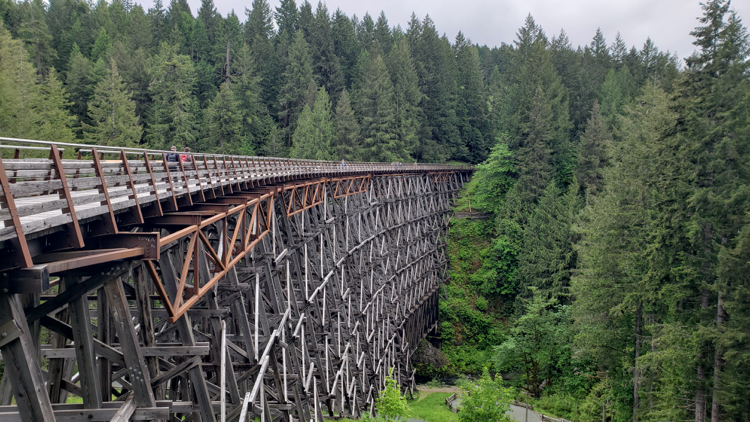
<point x="547" y="257"/>
<point x="538" y="342"/>
<point x="224" y="123"/>
<point x="431" y="407"/>
<point x="294" y="80"/>
<point x="112" y="112"/>
<point x="495" y="178"/>
<point x="102" y="45"/>
<point x="29" y="108"/>
<point x="485" y="400"/>
<point x="377" y="113"/>
<point x="391" y="404"/>
<point x="172" y="115"/>
<point x="471" y="312"/>
<point x="313" y="136"/>
<point x="346" y="143"/>
<point x="592" y="155"/>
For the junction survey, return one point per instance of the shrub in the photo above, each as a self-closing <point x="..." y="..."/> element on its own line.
<point x="485" y="400"/>
<point x="391" y="404"/>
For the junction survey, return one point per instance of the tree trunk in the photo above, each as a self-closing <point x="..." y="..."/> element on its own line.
<point x="636" y="373"/>
<point x="700" y="377"/>
<point x="718" y="362"/>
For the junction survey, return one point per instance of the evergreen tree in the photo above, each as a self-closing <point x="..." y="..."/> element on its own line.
<point x="112" y="111"/>
<point x="406" y="94"/>
<point x="612" y="100"/>
<point x="30" y="108"/>
<point x="140" y="34"/>
<point x="294" y="82"/>
<point x="79" y="82"/>
<point x="257" y="123"/>
<point x="211" y="20"/>
<point x="495" y="178"/>
<point x="540" y="102"/>
<point x="377" y="116"/>
<point x="630" y="249"/>
<point x="365" y="31"/>
<point x="536" y="341"/>
<point x="471" y="104"/>
<point x="345" y="45"/>
<point x="259" y="25"/>
<point x="347" y="137"/>
<point x="618" y="51"/>
<point x="382" y="34"/>
<point x="172" y="115"/>
<point x="258" y="34"/>
<point x="102" y="45"/>
<point x="157" y="19"/>
<point x="34" y="32"/>
<point x="287" y="18"/>
<point x="592" y="154"/>
<point x="713" y="91"/>
<point x="437" y="81"/>
<point x="313" y="137"/>
<point x="54" y="120"/>
<point x="223" y="123"/>
<point x="326" y="65"/>
<point x="534" y="149"/>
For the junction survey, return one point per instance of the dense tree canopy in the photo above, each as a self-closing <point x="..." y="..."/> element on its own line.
<point x="611" y="275"/>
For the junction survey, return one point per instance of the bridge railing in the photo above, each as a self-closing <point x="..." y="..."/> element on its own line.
<point x="42" y="194"/>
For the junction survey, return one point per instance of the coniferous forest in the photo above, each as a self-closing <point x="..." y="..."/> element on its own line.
<point x="609" y="278"/>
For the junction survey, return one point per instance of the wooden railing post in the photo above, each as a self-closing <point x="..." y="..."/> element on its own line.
<point x="21" y="256"/>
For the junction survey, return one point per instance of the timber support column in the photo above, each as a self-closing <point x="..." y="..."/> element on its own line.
<point x="22" y="363"/>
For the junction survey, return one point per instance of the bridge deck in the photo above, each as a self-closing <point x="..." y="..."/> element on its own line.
<point x="34" y="201"/>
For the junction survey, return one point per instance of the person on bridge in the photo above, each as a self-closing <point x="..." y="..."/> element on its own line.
<point x="343" y="163"/>
<point x="187" y="157"/>
<point x="173" y="157"/>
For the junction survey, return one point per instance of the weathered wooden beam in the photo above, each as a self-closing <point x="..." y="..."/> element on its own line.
<point x="75" y="291"/>
<point x="84" y="340"/>
<point x="21" y="362"/>
<point x="131" y="350"/>
<point x="34" y="279"/>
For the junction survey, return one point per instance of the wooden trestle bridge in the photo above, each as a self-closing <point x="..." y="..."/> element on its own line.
<point x="216" y="288"/>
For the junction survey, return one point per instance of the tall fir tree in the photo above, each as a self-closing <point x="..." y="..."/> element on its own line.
<point x="406" y="94"/>
<point x="295" y="79"/>
<point x="79" y="82"/>
<point x="314" y="134"/>
<point x="171" y="119"/>
<point x="713" y="91"/>
<point x="112" y="112"/>
<point x="30" y="108"/>
<point x="347" y="136"/>
<point x="472" y="104"/>
<point x="224" y="124"/>
<point x="593" y="153"/>
<point x="257" y="123"/>
<point x="377" y="116"/>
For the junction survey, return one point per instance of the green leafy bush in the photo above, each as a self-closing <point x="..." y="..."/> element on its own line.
<point x="391" y="404"/>
<point x="485" y="400"/>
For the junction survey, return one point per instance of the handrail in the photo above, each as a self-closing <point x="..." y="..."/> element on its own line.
<point x="38" y="194"/>
<point x="87" y="148"/>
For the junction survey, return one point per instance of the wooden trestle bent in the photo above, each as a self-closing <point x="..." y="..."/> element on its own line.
<point x="244" y="286"/>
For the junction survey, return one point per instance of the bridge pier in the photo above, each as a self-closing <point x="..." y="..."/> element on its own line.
<point x="322" y="285"/>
